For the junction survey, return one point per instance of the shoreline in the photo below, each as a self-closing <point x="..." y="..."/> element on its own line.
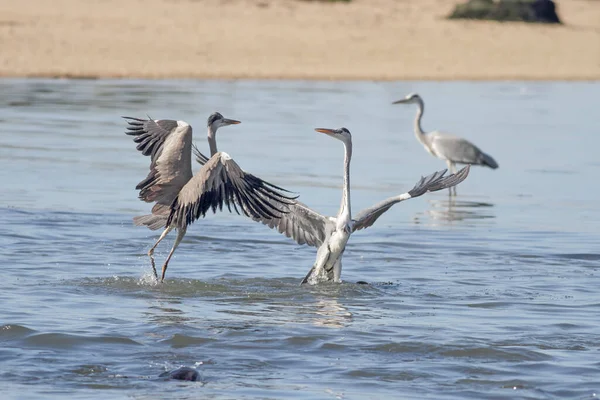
<point x="364" y="40"/>
<point x="107" y="77"/>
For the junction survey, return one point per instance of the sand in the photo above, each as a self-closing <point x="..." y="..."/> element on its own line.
<point x="292" y="39"/>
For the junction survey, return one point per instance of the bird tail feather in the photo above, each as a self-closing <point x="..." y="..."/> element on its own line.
<point x="152" y="221"/>
<point x="156" y="220"/>
<point x="487" y="160"/>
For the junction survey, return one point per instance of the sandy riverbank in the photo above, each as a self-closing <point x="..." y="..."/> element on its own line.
<point x="364" y="39"/>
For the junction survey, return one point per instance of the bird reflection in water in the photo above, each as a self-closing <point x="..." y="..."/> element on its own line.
<point x="450" y="209"/>
<point x="328" y="312"/>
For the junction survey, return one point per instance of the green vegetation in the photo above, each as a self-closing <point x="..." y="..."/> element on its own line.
<point x="507" y="10"/>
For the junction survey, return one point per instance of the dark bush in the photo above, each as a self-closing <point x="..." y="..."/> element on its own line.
<point x="543" y="11"/>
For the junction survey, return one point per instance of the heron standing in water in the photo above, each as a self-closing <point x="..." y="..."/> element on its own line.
<point x="330" y="234"/>
<point x="452" y="149"/>
<point x="182" y="197"/>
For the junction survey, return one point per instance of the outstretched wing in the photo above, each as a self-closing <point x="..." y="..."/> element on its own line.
<point x="169" y="144"/>
<point x="299" y="222"/>
<point x="222" y="182"/>
<point x="200" y="158"/>
<point x="431" y="183"/>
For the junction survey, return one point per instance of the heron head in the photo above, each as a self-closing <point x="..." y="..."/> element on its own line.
<point x="342" y="134"/>
<point x="216" y="120"/>
<point x="409" y="99"/>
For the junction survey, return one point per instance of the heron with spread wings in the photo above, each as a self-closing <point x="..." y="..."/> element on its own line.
<point x="452" y="149"/>
<point x="182" y="197"/>
<point x="330" y="234"/>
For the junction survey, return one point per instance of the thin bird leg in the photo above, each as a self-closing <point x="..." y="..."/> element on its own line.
<point x="151" y="251"/>
<point x="452" y="169"/>
<point x="153" y="268"/>
<point x="180" y="235"/>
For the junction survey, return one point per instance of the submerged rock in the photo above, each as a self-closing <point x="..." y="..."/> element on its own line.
<point x="543" y="11"/>
<point x="182" y="374"/>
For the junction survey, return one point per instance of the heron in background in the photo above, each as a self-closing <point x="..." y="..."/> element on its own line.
<point x="330" y="234"/>
<point x="453" y="149"/>
<point x="182" y="197"/>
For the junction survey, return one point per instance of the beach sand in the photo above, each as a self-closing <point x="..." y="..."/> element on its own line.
<point x="291" y="39"/>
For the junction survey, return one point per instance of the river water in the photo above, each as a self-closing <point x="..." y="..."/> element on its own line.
<point x="492" y="294"/>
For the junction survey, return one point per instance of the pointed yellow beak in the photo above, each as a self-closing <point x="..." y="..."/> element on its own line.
<point x="325" y="131"/>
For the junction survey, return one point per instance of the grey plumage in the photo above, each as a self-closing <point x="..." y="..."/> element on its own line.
<point x="153" y="221"/>
<point x="220" y="182"/>
<point x="458" y="150"/>
<point x="431" y="183"/>
<point x="330" y="234"/>
<point x="452" y="149"/>
<point x="165" y="180"/>
<point x="180" y="197"/>
<point x="299" y="223"/>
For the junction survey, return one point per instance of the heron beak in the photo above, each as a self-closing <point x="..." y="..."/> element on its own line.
<point x="400" y="101"/>
<point x="230" y="121"/>
<point x="325" y="131"/>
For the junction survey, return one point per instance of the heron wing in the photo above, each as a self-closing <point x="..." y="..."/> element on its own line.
<point x="431" y="183"/>
<point x="300" y="223"/>
<point x="168" y="143"/>
<point x="220" y="182"/>
<point x="200" y="158"/>
<point x="455" y="149"/>
<point x="149" y="134"/>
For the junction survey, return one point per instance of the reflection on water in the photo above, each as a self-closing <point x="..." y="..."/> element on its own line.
<point x="166" y="314"/>
<point x="274" y="302"/>
<point x="330" y="313"/>
<point x="455" y="208"/>
<point x="294" y="305"/>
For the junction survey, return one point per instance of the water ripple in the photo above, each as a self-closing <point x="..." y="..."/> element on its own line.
<point x="490" y="294"/>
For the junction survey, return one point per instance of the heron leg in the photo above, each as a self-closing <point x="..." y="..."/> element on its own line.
<point x="337" y="271"/>
<point x="452" y="170"/>
<point x="180" y="235"/>
<point x="151" y="251"/>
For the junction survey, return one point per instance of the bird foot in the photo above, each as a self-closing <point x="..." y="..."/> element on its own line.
<point x="153" y="266"/>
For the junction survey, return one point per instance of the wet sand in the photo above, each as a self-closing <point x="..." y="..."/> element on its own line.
<point x="291" y="39"/>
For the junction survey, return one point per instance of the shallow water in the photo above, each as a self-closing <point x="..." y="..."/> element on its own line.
<point x="493" y="294"/>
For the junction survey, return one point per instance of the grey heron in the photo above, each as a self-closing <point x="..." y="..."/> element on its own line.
<point x="182" y="197"/>
<point x="452" y="149"/>
<point x="330" y="234"/>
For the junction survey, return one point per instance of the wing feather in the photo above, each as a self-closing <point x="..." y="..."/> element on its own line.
<point x="200" y="158"/>
<point x="300" y="223"/>
<point x="149" y="134"/>
<point x="459" y="150"/>
<point x="220" y="182"/>
<point x="168" y="143"/>
<point x="431" y="183"/>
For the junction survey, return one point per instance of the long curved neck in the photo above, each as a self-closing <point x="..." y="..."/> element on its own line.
<point x="418" y="130"/>
<point x="212" y="140"/>
<point x="345" y="213"/>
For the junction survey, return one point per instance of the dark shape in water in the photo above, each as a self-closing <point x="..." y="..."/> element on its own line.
<point x="182" y="374"/>
<point x="543" y="11"/>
